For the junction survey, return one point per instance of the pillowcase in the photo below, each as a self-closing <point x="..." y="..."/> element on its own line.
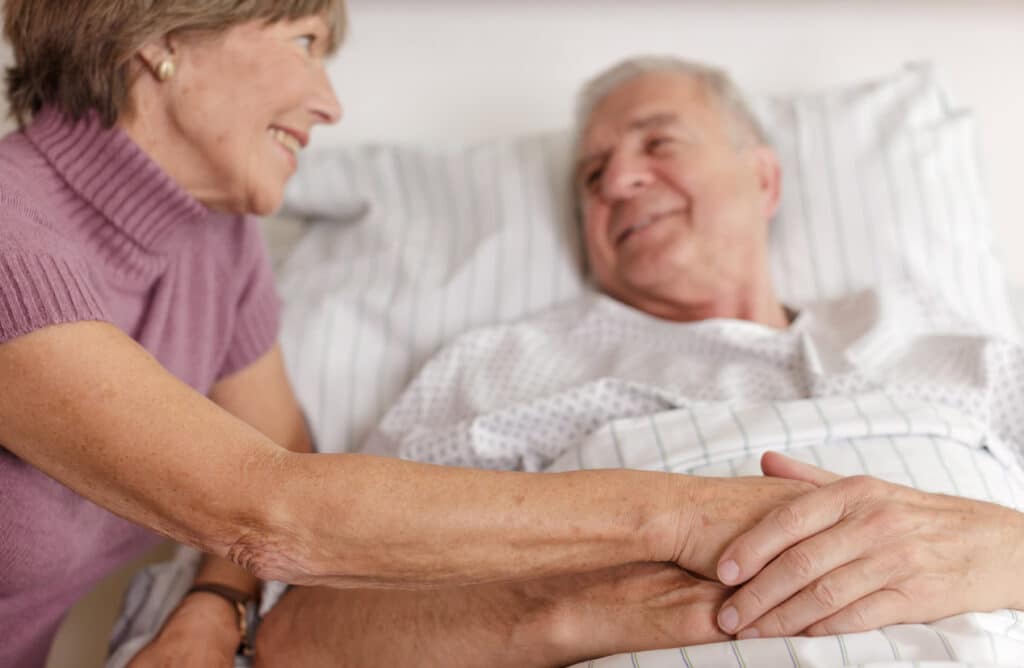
<point x="881" y="186"/>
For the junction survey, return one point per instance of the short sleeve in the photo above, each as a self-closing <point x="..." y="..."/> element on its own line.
<point x="258" y="307"/>
<point x="42" y="280"/>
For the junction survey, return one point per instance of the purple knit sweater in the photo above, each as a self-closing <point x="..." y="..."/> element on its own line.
<point x="92" y="229"/>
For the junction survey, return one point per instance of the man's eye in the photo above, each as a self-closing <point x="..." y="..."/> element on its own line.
<point x="592" y="178"/>
<point x="306" y="42"/>
<point x="658" y="143"/>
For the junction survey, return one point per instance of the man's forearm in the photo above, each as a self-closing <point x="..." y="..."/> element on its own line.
<point x="493" y="625"/>
<point x="547" y="622"/>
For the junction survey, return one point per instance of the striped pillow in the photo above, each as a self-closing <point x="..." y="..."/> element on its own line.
<point x="881" y="185"/>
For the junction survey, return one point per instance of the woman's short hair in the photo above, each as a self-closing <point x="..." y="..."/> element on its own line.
<point x="78" y="56"/>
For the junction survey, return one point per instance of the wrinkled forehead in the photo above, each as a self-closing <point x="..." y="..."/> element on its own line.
<point x="648" y="101"/>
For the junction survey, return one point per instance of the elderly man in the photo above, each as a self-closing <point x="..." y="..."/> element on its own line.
<point x="691" y="363"/>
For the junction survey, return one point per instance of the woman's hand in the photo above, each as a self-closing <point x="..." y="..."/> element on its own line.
<point x="201" y="632"/>
<point x="859" y="553"/>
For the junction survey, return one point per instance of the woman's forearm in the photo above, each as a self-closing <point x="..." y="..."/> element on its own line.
<point x="92" y="409"/>
<point x="358" y="520"/>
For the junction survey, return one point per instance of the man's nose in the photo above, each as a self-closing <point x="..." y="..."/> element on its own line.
<point x="624" y="177"/>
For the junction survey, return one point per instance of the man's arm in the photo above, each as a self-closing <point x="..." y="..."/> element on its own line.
<point x="549" y="622"/>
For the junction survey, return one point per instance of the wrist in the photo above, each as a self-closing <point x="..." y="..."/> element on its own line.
<point x="551" y="632"/>
<point x="222" y="603"/>
<point x="1017" y="560"/>
<point x="209" y="614"/>
<point x="670" y="517"/>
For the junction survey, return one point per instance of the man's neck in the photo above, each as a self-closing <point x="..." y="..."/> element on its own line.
<point x="756" y="303"/>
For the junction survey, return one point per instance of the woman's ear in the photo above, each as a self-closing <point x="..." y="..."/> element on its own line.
<point x="158" y="57"/>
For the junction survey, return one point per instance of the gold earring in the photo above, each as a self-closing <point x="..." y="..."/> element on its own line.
<point x="165" y="70"/>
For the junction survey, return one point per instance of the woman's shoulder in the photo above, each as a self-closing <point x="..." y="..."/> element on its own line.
<point x="26" y="218"/>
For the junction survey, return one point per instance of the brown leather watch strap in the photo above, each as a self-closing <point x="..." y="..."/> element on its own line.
<point x="238" y="600"/>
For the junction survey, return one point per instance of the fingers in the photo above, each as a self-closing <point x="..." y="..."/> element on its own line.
<point x="778" y="465"/>
<point x="782" y="528"/>
<point x="820" y="600"/>
<point x="808" y="582"/>
<point x="874" y="611"/>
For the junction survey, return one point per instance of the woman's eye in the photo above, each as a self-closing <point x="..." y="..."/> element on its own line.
<point x="306" y="42"/>
<point x="592" y="178"/>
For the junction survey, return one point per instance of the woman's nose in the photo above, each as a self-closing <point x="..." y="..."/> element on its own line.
<point x="324" y="104"/>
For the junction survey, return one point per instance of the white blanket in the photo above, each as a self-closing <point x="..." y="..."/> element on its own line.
<point x="866" y="385"/>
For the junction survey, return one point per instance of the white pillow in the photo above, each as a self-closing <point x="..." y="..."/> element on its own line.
<point x="881" y="185"/>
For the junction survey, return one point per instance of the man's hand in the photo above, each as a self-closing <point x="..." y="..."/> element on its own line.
<point x="553" y="621"/>
<point x="717" y="510"/>
<point x="629" y="608"/>
<point x="860" y="553"/>
<point x="201" y="632"/>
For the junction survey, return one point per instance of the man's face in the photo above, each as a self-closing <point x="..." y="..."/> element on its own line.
<point x="675" y="205"/>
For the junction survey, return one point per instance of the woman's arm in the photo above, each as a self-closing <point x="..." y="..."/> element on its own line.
<point x="91" y="408"/>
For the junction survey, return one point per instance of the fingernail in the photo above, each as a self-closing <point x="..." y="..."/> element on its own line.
<point x="728" y="619"/>
<point x="728" y="572"/>
<point x="747" y="634"/>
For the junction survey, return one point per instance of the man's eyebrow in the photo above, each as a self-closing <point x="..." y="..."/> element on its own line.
<point x="654" y="121"/>
<point x="650" y="122"/>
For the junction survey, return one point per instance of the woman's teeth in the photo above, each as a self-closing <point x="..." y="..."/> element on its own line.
<point x="286" y="140"/>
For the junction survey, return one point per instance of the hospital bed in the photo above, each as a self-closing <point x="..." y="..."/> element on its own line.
<point x="455" y="115"/>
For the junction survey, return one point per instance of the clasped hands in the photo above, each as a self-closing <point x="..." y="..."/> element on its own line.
<point x="857" y="553"/>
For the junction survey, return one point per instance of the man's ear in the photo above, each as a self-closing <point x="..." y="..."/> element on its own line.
<point x="769" y="179"/>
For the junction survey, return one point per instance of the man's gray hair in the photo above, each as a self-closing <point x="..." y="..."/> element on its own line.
<point x="721" y="88"/>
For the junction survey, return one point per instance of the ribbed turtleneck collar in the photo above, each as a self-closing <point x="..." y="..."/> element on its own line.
<point x="108" y="169"/>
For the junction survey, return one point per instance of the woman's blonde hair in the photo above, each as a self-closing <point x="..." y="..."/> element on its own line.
<point x="78" y="55"/>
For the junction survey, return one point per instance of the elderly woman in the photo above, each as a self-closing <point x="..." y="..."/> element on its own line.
<point x="143" y="392"/>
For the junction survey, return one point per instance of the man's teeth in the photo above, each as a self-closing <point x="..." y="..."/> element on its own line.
<point x="286" y="140"/>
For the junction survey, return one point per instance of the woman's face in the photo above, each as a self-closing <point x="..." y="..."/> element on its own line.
<point x="230" y="122"/>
